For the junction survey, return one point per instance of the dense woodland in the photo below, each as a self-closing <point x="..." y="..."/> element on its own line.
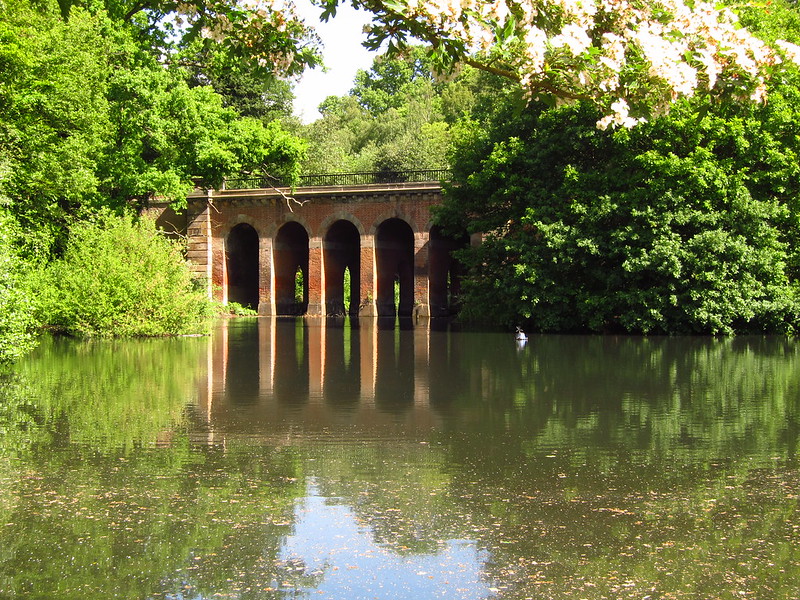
<point x="683" y="223"/>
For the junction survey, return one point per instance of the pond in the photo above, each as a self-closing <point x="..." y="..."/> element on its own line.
<point x="362" y="460"/>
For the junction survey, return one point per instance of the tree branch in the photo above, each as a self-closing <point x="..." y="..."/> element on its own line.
<point x="136" y="8"/>
<point x="492" y="69"/>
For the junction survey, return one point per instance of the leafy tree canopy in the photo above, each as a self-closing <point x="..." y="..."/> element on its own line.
<point x="685" y="224"/>
<point x="398" y="116"/>
<point x="92" y="115"/>
<point x="631" y="59"/>
<point x="266" y="37"/>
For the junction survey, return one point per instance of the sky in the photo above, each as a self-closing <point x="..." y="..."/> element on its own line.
<point x="343" y="55"/>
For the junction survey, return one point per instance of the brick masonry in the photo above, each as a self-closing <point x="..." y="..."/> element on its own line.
<point x="213" y="215"/>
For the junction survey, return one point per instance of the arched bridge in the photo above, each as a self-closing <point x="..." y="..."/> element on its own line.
<point x="358" y="244"/>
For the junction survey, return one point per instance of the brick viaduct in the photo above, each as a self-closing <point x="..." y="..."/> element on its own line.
<point x="295" y="256"/>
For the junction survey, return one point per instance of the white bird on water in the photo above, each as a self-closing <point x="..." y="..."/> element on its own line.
<point x="520" y="336"/>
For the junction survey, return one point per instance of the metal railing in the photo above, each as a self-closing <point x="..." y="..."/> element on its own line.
<point x="341" y="179"/>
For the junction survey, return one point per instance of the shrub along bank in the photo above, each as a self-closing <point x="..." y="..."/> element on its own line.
<point x="120" y="277"/>
<point x="17" y="323"/>
<point x="687" y="224"/>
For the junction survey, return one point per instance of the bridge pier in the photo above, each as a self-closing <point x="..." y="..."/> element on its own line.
<point x="367" y="282"/>
<point x="421" y="275"/>
<point x="266" y="280"/>
<point x="316" y="278"/>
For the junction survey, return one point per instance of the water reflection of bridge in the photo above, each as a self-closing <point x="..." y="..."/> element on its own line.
<point x="267" y="375"/>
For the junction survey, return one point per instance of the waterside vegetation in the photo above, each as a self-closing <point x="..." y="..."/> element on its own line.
<point x="684" y="223"/>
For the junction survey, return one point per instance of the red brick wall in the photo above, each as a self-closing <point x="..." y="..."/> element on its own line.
<point x="211" y="216"/>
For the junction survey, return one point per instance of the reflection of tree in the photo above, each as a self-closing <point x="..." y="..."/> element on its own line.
<point x="621" y="467"/>
<point x="113" y="393"/>
<point x="660" y="396"/>
<point x="399" y="491"/>
<point x="583" y="467"/>
<point x="150" y="523"/>
<point x="113" y="514"/>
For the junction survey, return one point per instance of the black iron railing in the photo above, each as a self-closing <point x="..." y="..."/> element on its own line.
<point x="336" y="179"/>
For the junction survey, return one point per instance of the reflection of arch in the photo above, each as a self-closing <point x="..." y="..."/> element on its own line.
<point x="243" y="364"/>
<point x="341" y="249"/>
<point x="291" y="362"/>
<point x="444" y="272"/>
<point x="342" y="383"/>
<point x="291" y="262"/>
<point x="394" y="258"/>
<point x="241" y="264"/>
<point x="394" y="360"/>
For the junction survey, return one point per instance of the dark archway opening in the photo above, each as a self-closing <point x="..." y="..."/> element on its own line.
<point x="291" y="270"/>
<point x="444" y="272"/>
<point x="241" y="264"/>
<point x="342" y="255"/>
<point x="394" y="257"/>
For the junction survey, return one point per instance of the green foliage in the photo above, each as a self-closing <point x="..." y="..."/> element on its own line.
<point x="171" y="135"/>
<point x="237" y="310"/>
<point x="120" y="277"/>
<point x="16" y="319"/>
<point x="299" y="287"/>
<point x="93" y="115"/>
<point x="54" y="119"/>
<point x="399" y="116"/>
<point x="687" y="224"/>
<point x="347" y="286"/>
<point x="250" y="95"/>
<point x="392" y="82"/>
<point x="396" y="117"/>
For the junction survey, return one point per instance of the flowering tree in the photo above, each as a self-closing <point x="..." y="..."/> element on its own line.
<point x="265" y="35"/>
<point x="632" y="58"/>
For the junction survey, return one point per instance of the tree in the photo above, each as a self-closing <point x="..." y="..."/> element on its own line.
<point x="392" y="81"/>
<point x="250" y="95"/>
<point x="91" y="117"/>
<point x="686" y="224"/>
<point x="631" y="59"/>
<point x="54" y="116"/>
<point x="398" y="116"/>
<point x="257" y="36"/>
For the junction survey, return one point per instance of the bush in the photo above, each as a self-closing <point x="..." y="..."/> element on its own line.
<point x="17" y="323"/>
<point x="121" y="277"/>
<point x="687" y="224"/>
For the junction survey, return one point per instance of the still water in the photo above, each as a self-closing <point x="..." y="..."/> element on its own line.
<point x="299" y="459"/>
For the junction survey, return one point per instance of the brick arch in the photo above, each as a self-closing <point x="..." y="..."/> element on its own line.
<point x="274" y="226"/>
<point x="340" y="215"/>
<point x="239" y="220"/>
<point x="395" y="265"/>
<point x="342" y="242"/>
<point x="394" y="214"/>
<point x="242" y="260"/>
<point x="290" y="252"/>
